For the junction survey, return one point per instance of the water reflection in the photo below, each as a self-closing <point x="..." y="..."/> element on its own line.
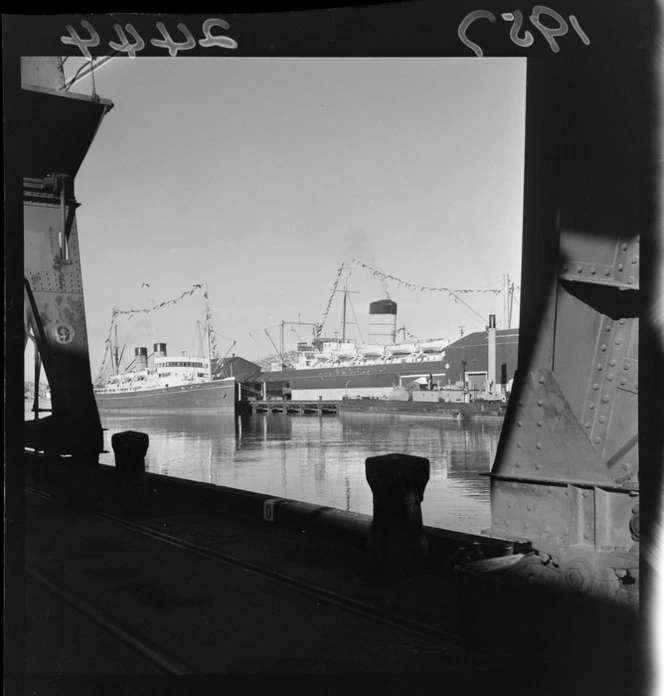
<point x="321" y="459"/>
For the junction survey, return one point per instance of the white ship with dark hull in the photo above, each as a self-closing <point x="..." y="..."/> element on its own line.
<point x="331" y="370"/>
<point x="173" y="383"/>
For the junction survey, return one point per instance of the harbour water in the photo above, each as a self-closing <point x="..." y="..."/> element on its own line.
<point x="321" y="459"/>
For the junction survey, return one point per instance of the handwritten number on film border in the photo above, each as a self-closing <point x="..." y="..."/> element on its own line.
<point x="539" y="11"/>
<point x="137" y="44"/>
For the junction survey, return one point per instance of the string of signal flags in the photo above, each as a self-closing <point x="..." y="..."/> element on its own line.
<point x="452" y="292"/>
<point x="415" y="286"/>
<point x="155" y="306"/>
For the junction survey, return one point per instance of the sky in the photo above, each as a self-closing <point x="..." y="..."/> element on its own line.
<point x="261" y="177"/>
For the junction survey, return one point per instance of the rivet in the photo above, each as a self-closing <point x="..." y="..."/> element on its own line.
<point x="605" y="398"/>
<point x="518" y="444"/>
<point x="635" y="259"/>
<point x="599" y="367"/>
<point x="618" y="341"/>
<point x="496" y="520"/>
<point x="526" y="524"/>
<point x="626" y="366"/>
<point x="595" y="386"/>
<point x="602" y="419"/>
<point x="585" y="494"/>
<point x="540" y="402"/>
<point x="631" y="280"/>
<point x="587" y="425"/>
<point x="621" y="321"/>
<point x="538" y="466"/>
<point x="609" y="377"/>
<point x="593" y="270"/>
<point x="520" y="402"/>
<point x="620" y="267"/>
<point x="519" y="423"/>
<point x="507" y="523"/>
<point x="608" y="327"/>
<point x="541" y="380"/>
<point x="586" y="535"/>
<point x="612" y="363"/>
<point x="598" y="440"/>
<point x="624" y="247"/>
<point x="579" y="269"/>
<point x="603" y="346"/>
<point x="565" y="267"/>
<point x="623" y="381"/>
<point x="517" y="465"/>
<point x="607" y="272"/>
<point x="547" y="529"/>
<point x="539" y="424"/>
<point x="627" y="466"/>
<point x="591" y="405"/>
<point x="539" y="445"/>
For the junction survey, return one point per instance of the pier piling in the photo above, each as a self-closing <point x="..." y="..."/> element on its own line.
<point x="397" y="544"/>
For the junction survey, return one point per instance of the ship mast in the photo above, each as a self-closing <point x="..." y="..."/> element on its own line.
<point x="506" y="311"/>
<point x="115" y="347"/>
<point x="343" y="316"/>
<point x="346" y="292"/>
<point x="207" y="333"/>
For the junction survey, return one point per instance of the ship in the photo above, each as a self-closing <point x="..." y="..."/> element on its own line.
<point x="172" y="383"/>
<point x="479" y="365"/>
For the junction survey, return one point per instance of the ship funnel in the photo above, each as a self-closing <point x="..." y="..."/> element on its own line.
<point x="383" y="322"/>
<point x="141" y="359"/>
<point x="159" y="350"/>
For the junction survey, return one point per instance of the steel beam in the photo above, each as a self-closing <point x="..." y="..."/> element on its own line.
<point x="566" y="475"/>
<point x="57" y="131"/>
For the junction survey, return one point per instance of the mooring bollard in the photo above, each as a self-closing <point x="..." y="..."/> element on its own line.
<point x="397" y="544"/>
<point x="130" y="448"/>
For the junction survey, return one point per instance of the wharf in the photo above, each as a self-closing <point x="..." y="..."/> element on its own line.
<point x="182" y="584"/>
<point x="193" y="579"/>
<point x="319" y="407"/>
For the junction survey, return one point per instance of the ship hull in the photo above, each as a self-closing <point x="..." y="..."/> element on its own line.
<point x="357" y="380"/>
<point x="215" y="396"/>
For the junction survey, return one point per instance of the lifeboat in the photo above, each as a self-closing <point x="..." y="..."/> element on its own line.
<point x="401" y="349"/>
<point x="433" y="346"/>
<point x="371" y="351"/>
<point x="344" y="352"/>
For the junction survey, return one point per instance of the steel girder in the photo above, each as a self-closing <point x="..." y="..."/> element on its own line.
<point x="566" y="475"/>
<point x="57" y="131"/>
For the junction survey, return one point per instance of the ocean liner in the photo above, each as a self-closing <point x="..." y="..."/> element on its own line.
<point x="173" y="383"/>
<point x="482" y="362"/>
<point x="159" y="381"/>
